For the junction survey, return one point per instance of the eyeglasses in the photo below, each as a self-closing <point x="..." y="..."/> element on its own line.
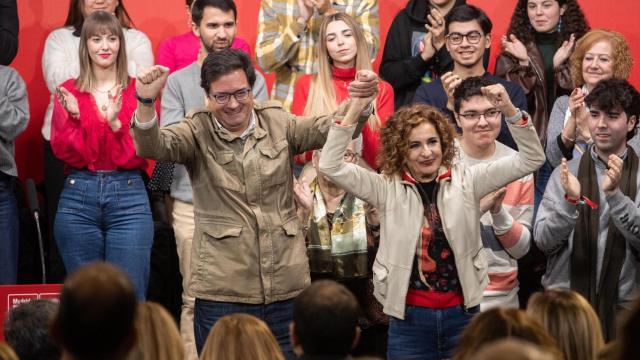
<point x="472" y="37"/>
<point x="349" y="156"/>
<point x="222" y="97"/>
<point x="475" y="116"/>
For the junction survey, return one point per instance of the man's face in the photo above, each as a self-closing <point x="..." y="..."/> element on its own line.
<point x="233" y="114"/>
<point x="216" y="29"/>
<point x="468" y="53"/>
<point x="609" y="130"/>
<point x="480" y="121"/>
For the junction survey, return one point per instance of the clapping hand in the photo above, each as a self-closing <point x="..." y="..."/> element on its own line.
<point x="493" y="201"/>
<point x="68" y="102"/>
<point x="612" y="175"/>
<point x="436" y="28"/>
<point x="450" y="82"/>
<point x="113" y="108"/>
<point x="516" y="48"/>
<point x="569" y="182"/>
<point x="564" y="51"/>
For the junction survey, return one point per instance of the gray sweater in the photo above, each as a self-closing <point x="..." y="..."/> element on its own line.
<point x="555" y="126"/>
<point x="556" y="219"/>
<point x="14" y="116"/>
<point x="181" y="95"/>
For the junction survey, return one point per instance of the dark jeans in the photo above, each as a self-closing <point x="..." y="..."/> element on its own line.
<point x="277" y="315"/>
<point x="9" y="227"/>
<point x="427" y="333"/>
<point x="105" y="216"/>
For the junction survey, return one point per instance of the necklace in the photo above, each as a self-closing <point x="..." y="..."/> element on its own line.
<point x="108" y="92"/>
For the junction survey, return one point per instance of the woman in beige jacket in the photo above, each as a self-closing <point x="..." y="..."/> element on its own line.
<point x="431" y="269"/>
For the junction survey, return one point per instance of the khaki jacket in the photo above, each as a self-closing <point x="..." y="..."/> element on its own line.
<point x="247" y="244"/>
<point x="401" y="211"/>
<point x="532" y="78"/>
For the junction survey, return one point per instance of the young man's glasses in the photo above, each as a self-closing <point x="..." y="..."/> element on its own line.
<point x="472" y="37"/>
<point x="222" y="97"/>
<point x="475" y="116"/>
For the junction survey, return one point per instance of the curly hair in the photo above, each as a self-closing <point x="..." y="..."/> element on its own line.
<point x="620" y="54"/>
<point x="610" y="94"/>
<point x="395" y="137"/>
<point x="573" y="22"/>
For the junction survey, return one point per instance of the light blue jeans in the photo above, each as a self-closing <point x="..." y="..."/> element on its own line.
<point x="105" y="216"/>
<point x="9" y="227"/>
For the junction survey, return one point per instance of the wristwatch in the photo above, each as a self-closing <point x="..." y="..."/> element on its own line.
<point x="146" y="101"/>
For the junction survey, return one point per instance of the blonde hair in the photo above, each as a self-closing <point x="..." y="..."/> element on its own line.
<point x="571" y="320"/>
<point x="157" y="334"/>
<point x="620" y="54"/>
<point x="100" y="23"/>
<point x="322" y="96"/>
<point x="241" y="336"/>
<point x="7" y="353"/>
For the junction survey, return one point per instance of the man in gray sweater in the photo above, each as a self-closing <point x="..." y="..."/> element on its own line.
<point x="14" y="115"/>
<point x="215" y="24"/>
<point x="588" y="223"/>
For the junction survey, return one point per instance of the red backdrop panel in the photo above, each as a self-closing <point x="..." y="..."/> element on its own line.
<point x="163" y="18"/>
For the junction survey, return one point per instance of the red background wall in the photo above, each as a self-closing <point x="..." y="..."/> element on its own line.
<point x="163" y="18"/>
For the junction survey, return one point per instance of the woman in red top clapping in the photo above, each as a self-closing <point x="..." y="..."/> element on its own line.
<point x="103" y="213"/>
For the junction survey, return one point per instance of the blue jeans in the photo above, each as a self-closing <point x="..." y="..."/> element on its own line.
<point x="277" y="315"/>
<point x="9" y="227"/>
<point x="427" y="333"/>
<point x="105" y="216"/>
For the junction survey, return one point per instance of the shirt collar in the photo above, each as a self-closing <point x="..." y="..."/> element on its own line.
<point x="245" y="134"/>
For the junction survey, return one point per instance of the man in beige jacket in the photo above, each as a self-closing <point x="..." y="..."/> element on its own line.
<point x="248" y="248"/>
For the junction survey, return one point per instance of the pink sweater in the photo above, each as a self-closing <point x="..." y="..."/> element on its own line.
<point x="181" y="50"/>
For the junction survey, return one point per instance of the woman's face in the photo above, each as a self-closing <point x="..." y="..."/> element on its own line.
<point x="103" y="49"/>
<point x="89" y="6"/>
<point x="425" y="152"/>
<point x="597" y="63"/>
<point x="341" y="44"/>
<point x="544" y="15"/>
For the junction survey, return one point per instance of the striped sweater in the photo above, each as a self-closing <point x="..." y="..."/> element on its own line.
<point x="507" y="235"/>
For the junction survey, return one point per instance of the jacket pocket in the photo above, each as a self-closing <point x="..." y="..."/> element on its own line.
<point x="380" y="276"/>
<point x="224" y="171"/>
<point x="480" y="264"/>
<point x="221" y="231"/>
<point x="291" y="227"/>
<point x="275" y="164"/>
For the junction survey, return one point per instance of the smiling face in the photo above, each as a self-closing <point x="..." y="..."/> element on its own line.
<point x="103" y="49"/>
<point x="609" y="130"/>
<point x="483" y="131"/>
<point x="341" y="44"/>
<point x="424" y="155"/>
<point x="89" y="6"/>
<point x="234" y="115"/>
<point x="597" y="63"/>
<point x="467" y="54"/>
<point x="544" y="15"/>
<point x="216" y="30"/>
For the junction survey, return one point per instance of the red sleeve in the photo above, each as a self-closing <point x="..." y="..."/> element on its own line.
<point x="371" y="138"/>
<point x="68" y="136"/>
<point x="300" y="95"/>
<point x="384" y="102"/>
<point x="122" y="151"/>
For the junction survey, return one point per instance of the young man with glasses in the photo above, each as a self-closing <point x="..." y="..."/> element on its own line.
<point x="214" y="22"/>
<point x="248" y="248"/>
<point x="467" y="34"/>
<point x="507" y="212"/>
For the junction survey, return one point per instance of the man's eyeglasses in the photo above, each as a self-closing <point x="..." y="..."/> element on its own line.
<point x="473" y="37"/>
<point x="222" y="97"/>
<point x="475" y="116"/>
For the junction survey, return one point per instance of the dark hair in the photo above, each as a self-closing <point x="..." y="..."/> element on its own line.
<point x="224" y="62"/>
<point x="573" y="22"/>
<point x="75" y="18"/>
<point x="468" y="88"/>
<point x="467" y="13"/>
<point x="613" y="93"/>
<point x="96" y="315"/>
<point x="26" y="329"/>
<point x="189" y="2"/>
<point x="197" y="8"/>
<point x="325" y="318"/>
